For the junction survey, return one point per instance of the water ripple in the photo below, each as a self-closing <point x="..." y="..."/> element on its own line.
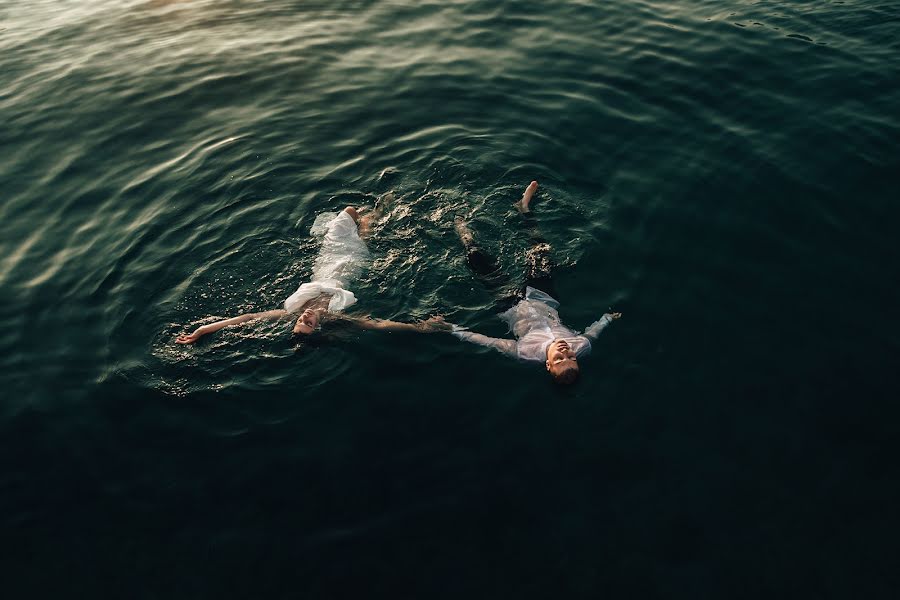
<point x="167" y="158"/>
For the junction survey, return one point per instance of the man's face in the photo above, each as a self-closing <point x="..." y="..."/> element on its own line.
<point x="309" y="320"/>
<point x="560" y="357"/>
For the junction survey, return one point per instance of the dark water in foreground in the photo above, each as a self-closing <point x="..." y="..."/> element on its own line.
<point x="724" y="173"/>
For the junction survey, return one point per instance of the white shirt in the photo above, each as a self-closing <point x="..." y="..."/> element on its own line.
<point x="535" y="323"/>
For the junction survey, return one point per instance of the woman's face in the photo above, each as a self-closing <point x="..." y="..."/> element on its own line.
<point x="309" y="320"/>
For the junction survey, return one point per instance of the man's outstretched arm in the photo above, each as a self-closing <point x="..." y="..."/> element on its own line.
<point x="502" y="345"/>
<point x="211" y="327"/>
<point x="596" y="327"/>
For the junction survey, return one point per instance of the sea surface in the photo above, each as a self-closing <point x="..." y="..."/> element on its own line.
<point x="724" y="173"/>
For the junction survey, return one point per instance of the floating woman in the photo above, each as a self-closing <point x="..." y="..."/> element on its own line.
<point x="325" y="296"/>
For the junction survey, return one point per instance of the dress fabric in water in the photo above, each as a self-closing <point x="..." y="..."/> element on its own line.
<point x="342" y="256"/>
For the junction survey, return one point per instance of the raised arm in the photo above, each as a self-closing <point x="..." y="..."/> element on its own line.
<point x="501" y="345"/>
<point x="596" y="327"/>
<point x="211" y="327"/>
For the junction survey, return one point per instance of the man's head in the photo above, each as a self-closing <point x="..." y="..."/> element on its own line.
<point x="307" y="323"/>
<point x="562" y="362"/>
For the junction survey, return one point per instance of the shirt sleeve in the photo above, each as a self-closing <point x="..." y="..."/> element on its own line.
<point x="505" y="346"/>
<point x="596" y="327"/>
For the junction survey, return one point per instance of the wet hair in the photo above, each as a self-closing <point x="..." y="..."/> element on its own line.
<point x="567" y="376"/>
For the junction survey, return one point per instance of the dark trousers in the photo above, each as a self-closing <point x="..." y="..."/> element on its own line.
<point x="538" y="267"/>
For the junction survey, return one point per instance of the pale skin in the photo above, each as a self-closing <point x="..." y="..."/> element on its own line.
<point x="315" y="310"/>
<point x="312" y="318"/>
<point x="523" y="204"/>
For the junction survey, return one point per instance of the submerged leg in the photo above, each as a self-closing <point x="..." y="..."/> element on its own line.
<point x="366" y="220"/>
<point x="485" y="266"/>
<point x="482" y="263"/>
<point x="538" y="259"/>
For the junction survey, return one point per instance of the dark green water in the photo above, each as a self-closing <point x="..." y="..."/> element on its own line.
<point x="724" y="173"/>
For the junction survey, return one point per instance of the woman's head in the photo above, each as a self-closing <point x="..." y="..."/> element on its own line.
<point x="307" y="322"/>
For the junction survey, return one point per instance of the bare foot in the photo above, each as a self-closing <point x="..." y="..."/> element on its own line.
<point x="522" y="204"/>
<point x="366" y="221"/>
<point x="463" y="231"/>
<point x="383" y="203"/>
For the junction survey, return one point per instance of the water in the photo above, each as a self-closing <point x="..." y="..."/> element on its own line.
<point x="724" y="174"/>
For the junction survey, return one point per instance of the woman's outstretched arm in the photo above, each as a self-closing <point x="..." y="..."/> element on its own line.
<point x="211" y="327"/>
<point x="430" y="325"/>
